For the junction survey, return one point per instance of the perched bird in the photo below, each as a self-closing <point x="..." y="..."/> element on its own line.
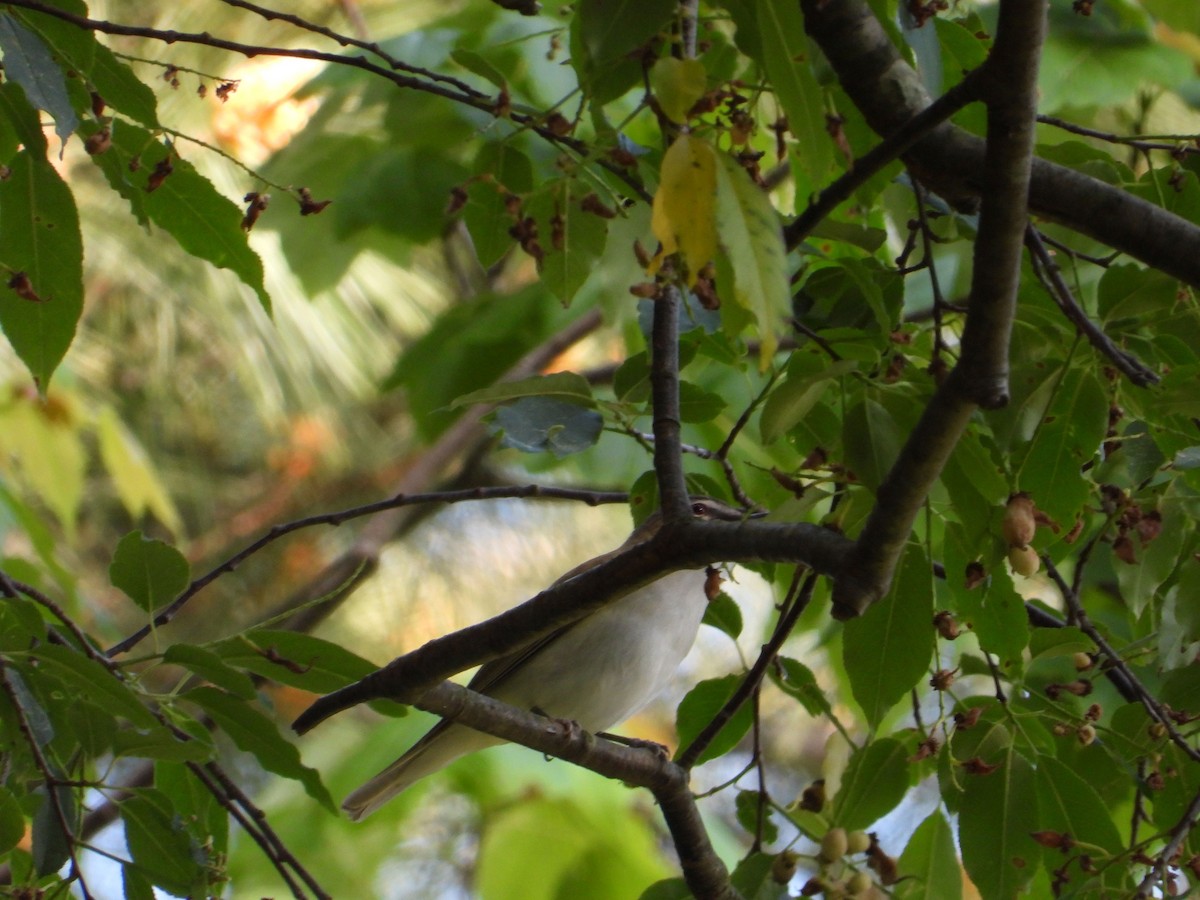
<point x="597" y="671"/>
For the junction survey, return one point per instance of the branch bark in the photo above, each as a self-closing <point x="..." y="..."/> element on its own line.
<point x="981" y="376"/>
<point x="952" y="162"/>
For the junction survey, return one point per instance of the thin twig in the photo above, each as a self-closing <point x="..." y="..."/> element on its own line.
<point x="1179" y="834"/>
<point x="470" y="97"/>
<point x="890" y="148"/>
<point x="529" y="491"/>
<point x="1149" y="701"/>
<point x="1051" y="277"/>
<point x="52" y="781"/>
<point x="800" y="595"/>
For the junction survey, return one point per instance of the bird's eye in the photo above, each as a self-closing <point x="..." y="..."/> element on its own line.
<point x="700" y="510"/>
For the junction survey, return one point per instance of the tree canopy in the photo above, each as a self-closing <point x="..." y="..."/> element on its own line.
<point x="918" y="280"/>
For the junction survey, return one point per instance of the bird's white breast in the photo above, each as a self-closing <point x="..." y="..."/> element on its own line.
<point x="633" y="647"/>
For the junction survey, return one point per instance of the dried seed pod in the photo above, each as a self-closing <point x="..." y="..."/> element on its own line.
<point x="1019" y="524"/>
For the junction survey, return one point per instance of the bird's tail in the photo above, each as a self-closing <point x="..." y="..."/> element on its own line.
<point x="433" y="752"/>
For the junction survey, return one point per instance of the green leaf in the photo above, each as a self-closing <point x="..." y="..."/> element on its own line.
<point x="23" y="120"/>
<point x="39" y="238"/>
<point x="610" y="29"/>
<point x="572" y="238"/>
<point x="667" y="889"/>
<point x="29" y="63"/>
<point x="12" y="821"/>
<point x="159" y="744"/>
<point x="677" y="85"/>
<point x="887" y="650"/>
<point x="132" y="473"/>
<point x="21" y="625"/>
<point x="469" y="348"/>
<point x="258" y="735"/>
<point x="1157" y="560"/>
<point x="568" y="386"/>
<point x="506" y="171"/>
<point x="95" y="683"/>
<point x="1068" y="804"/>
<point x="786" y="55"/>
<point x="1069" y="435"/>
<point x="161" y="848"/>
<point x="49" y="450"/>
<point x="150" y="572"/>
<point x="749" y="229"/>
<point x="754" y="879"/>
<point x="997" y="814"/>
<point x="796" y="680"/>
<point x="401" y="190"/>
<point x="537" y="424"/>
<point x="698" y="708"/>
<point x="473" y="62"/>
<point x="79" y="51"/>
<point x="201" y="813"/>
<point x="808" y="377"/>
<point x="185" y="205"/>
<point x="996" y="613"/>
<point x="749" y="804"/>
<point x="136" y="886"/>
<point x="50" y="848"/>
<point x="697" y="404"/>
<point x="121" y="89"/>
<point x="210" y="667"/>
<point x="930" y="863"/>
<point x="1128" y="292"/>
<point x="874" y="783"/>
<point x="872" y="441"/>
<point x="300" y="660"/>
<point x="724" y="614"/>
<point x="580" y="850"/>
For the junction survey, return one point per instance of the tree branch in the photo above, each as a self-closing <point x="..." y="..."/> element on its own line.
<point x="690" y="544"/>
<point x="703" y="870"/>
<point x="981" y="376"/>
<point x="952" y="162"/>
<point x="1051" y="276"/>
<point x="664" y="400"/>
<point x="434" y="85"/>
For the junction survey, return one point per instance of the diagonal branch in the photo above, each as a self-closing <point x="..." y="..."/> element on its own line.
<point x="952" y="162"/>
<point x="691" y="544"/>
<point x="981" y="376"/>
<point x="1051" y="276"/>
<point x="702" y="868"/>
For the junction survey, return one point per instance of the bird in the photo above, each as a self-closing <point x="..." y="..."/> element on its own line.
<point x="597" y="671"/>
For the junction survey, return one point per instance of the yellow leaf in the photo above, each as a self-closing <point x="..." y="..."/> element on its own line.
<point x="677" y="85"/>
<point x="752" y="237"/>
<point x="683" y="218"/>
<point x="134" y="477"/>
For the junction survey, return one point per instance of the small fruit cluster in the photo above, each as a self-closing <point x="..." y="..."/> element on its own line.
<point x="1018" y="527"/>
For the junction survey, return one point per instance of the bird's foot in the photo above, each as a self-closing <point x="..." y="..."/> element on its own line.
<point x="654" y="747"/>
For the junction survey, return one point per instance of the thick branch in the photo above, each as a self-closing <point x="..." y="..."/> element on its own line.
<point x="703" y="870"/>
<point x="690" y="544"/>
<point x="1011" y="94"/>
<point x="952" y="162"/>
<point x="981" y="377"/>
